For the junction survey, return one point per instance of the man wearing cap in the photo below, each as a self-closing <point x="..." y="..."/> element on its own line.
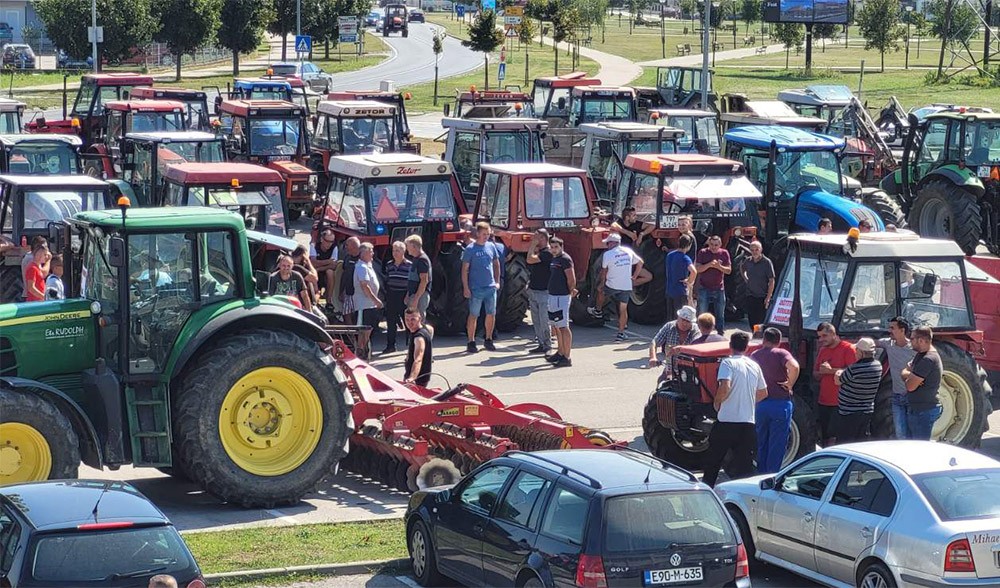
<point x="670" y="335"/>
<point x="621" y="270"/>
<point x="859" y="384"/>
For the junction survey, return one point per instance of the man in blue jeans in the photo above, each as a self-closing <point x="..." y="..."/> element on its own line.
<point x="480" y="280"/>
<point x="899" y="352"/>
<point x="774" y="413"/>
<point x="713" y="265"/>
<point x="922" y="378"/>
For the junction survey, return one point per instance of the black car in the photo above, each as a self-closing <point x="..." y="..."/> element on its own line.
<point x="416" y="16"/>
<point x="84" y="533"/>
<point x="591" y="517"/>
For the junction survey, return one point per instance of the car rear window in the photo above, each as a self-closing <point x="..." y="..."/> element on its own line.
<point x="643" y="522"/>
<point x="72" y="559"/>
<point x="969" y="494"/>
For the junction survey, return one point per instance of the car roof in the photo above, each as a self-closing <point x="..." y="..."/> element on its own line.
<point x="608" y="469"/>
<point x="884" y="244"/>
<point x="788" y="138"/>
<point x="920" y="457"/>
<point x="59" y="181"/>
<point x="65" y="504"/>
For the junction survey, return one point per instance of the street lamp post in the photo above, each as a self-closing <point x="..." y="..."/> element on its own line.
<point x="663" y="35"/>
<point x="93" y="22"/>
<point x="909" y="17"/>
<point x="298" y="23"/>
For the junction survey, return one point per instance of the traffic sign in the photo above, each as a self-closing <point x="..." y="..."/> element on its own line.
<point x="490" y="5"/>
<point x="347" y="29"/>
<point x="511" y="32"/>
<point x="513" y="11"/>
<point x="502" y="73"/>
<point x="303" y="44"/>
<point x="460" y="10"/>
<point x="512" y="20"/>
<point x="90" y="35"/>
<point x="348" y="38"/>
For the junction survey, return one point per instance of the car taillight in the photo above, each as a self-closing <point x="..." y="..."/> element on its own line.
<point x="590" y="572"/>
<point x="958" y="557"/>
<point x="742" y="562"/>
<point x="196" y="583"/>
<point x="104" y="526"/>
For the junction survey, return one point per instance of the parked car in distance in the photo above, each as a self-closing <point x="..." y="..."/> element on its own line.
<point x="372" y="18"/>
<point x="379" y="24"/>
<point x="416" y="16"/>
<point x="84" y="533"/>
<point x="578" y="517"/>
<point x="64" y="61"/>
<point x="18" y="56"/>
<point x="6" y="34"/>
<point x="876" y="514"/>
<point x="317" y="79"/>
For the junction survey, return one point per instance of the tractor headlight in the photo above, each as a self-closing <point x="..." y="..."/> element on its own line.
<point x="95" y="307"/>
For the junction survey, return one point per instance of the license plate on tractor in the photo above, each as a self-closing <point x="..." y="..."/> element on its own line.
<point x="673" y="576"/>
<point x="668" y="221"/>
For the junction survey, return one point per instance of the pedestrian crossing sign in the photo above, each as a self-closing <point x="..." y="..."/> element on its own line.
<point x="303" y="44"/>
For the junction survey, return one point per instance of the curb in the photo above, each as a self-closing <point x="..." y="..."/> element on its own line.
<point x="344" y="569"/>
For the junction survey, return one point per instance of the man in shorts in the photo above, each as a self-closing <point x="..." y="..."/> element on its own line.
<point x="562" y="289"/>
<point x="367" y="304"/>
<point x="480" y="281"/>
<point x="621" y="270"/>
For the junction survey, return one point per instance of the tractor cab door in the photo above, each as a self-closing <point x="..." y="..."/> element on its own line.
<point x="928" y="150"/>
<point x="139" y="169"/>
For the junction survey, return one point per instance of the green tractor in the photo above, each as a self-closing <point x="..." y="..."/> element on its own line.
<point x="166" y="355"/>
<point x="949" y="180"/>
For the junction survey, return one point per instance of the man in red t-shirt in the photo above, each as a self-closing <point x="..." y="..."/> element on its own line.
<point x="36" y="273"/>
<point x="713" y="265"/>
<point x="834" y="354"/>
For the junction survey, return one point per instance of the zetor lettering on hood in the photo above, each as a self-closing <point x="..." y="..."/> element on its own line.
<point x="406" y="171"/>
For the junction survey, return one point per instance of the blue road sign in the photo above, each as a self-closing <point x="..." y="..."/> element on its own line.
<point x="502" y="72"/>
<point x="351" y="38"/>
<point x="460" y="10"/>
<point x="303" y="43"/>
<point x="490" y="5"/>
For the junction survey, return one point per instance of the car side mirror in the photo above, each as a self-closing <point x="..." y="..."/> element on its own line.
<point x="930" y="281"/>
<point x="767" y="484"/>
<point x="116" y="252"/>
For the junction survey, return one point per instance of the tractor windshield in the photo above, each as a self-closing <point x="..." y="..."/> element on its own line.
<point x="982" y="142"/>
<point x="795" y="170"/>
<point x="697" y="196"/>
<point x="147" y="122"/>
<point x="260" y="206"/>
<point x="592" y="109"/>
<point x="42" y="207"/>
<point x="555" y="198"/>
<point x="43" y="159"/>
<point x="366" y="135"/>
<point x="188" y="152"/>
<point x="473" y="149"/>
<point x="696" y="127"/>
<point x="275" y="137"/>
<point x="551" y="102"/>
<point x="820" y="282"/>
<point x="408" y="202"/>
<point x="10" y="123"/>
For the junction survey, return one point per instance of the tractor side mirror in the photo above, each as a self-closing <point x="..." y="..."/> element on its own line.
<point x="261" y="278"/>
<point x="555" y="143"/>
<point x="54" y="232"/>
<point x="604" y="149"/>
<point x="767" y="484"/>
<point x="116" y="252"/>
<point x="930" y="281"/>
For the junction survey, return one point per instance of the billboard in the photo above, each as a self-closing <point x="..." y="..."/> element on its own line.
<point x="806" y="11"/>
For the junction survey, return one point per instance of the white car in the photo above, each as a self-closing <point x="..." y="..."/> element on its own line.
<point x="317" y="79"/>
<point x="876" y="515"/>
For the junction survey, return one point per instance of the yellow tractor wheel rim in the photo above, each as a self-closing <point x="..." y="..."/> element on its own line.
<point x="957" y="408"/>
<point x="270" y="421"/>
<point x="24" y="454"/>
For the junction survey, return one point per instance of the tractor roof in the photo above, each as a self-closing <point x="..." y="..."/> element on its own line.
<point x="899" y="244"/>
<point x="494" y="124"/>
<point x="818" y="95"/>
<point x="74" y="181"/>
<point x="389" y="165"/>
<point x="254" y="107"/>
<point x="962" y="114"/>
<point x="11" y="140"/>
<point x="577" y="78"/>
<point x="604" y="90"/>
<point x="118" y="79"/>
<point x="224" y="173"/>
<point x="161" y="92"/>
<point x="172" y="136"/>
<point x="675" y="164"/>
<point x="363" y="95"/>
<point x="356" y="108"/>
<point x="145" y="105"/>
<point x="174" y="217"/>
<point x="493" y="96"/>
<point x="682" y="112"/>
<point x="774" y="111"/>
<point x="267" y="84"/>
<point x="787" y="138"/>
<point x="630" y="130"/>
<point x="533" y="169"/>
<point x="8" y="105"/>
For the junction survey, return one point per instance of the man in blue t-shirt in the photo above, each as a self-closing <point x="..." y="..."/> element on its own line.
<point x="681" y="274"/>
<point x="480" y="280"/>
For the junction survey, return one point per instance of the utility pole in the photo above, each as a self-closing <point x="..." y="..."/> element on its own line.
<point x="705" y="40"/>
<point x="93" y="22"/>
<point x="987" y="41"/>
<point x="298" y="23"/>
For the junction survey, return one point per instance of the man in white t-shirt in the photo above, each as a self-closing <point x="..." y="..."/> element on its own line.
<point x="367" y="303"/>
<point x="621" y="271"/>
<point x="741" y="387"/>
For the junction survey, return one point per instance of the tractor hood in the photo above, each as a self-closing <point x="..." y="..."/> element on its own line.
<point x="815" y="204"/>
<point x="290" y="169"/>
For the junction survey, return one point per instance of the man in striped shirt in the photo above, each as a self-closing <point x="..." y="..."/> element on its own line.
<point x="859" y="384"/>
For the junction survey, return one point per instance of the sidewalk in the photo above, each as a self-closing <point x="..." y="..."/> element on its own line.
<point x="694" y="60"/>
<point x="614" y="70"/>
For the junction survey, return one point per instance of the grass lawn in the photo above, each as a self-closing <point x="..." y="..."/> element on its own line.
<point x="276" y="547"/>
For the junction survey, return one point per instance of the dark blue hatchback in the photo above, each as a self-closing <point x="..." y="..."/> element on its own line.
<point x="587" y="518"/>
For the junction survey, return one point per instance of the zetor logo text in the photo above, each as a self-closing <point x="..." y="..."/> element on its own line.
<point x="406" y="171"/>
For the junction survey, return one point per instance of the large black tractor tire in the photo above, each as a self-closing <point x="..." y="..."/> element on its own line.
<point x="242" y="390"/>
<point x="33" y="430"/>
<point x="11" y="283"/>
<point x="294" y="214"/>
<point x="886" y="207"/>
<point x="965" y="398"/>
<point x="883" y="423"/>
<point x="587" y="293"/>
<point x="449" y="309"/>
<point x="649" y="301"/>
<point x="946" y="211"/>
<point x="512" y="305"/>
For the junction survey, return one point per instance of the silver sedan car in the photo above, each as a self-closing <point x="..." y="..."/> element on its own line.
<point x="876" y="515"/>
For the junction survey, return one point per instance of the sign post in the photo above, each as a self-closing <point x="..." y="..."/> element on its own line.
<point x="347" y="29"/>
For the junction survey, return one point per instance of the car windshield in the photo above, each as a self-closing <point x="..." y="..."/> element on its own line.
<point x="397" y="202"/>
<point x="146" y="122"/>
<point x="555" y="198"/>
<point x="275" y="137"/>
<point x="665" y="520"/>
<point x="43" y="207"/>
<point x="75" y="559"/>
<point x="982" y="142"/>
<point x="820" y="282"/>
<point x="42" y="159"/>
<point x="962" y="495"/>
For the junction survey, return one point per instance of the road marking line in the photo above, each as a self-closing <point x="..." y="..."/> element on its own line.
<point x="282" y="516"/>
<point x="601" y="389"/>
<point x="407" y="581"/>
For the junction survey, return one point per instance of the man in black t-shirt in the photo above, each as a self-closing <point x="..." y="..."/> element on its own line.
<point x="324" y="258"/>
<point x="539" y="258"/>
<point x="419" y="354"/>
<point x="418" y="284"/>
<point x="562" y="289"/>
<point x="286" y="282"/>
<point x="345" y="277"/>
<point x="922" y="378"/>
<point x="630" y="229"/>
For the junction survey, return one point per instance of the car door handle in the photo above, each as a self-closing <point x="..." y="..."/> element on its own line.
<point x="477" y="529"/>
<point x="866" y="533"/>
<point x="807" y="517"/>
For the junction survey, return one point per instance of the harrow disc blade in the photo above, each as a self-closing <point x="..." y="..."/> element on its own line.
<point x="437" y="472"/>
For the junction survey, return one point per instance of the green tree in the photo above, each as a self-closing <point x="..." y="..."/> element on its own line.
<point x="964" y="21"/>
<point x="201" y="21"/>
<point x="485" y="37"/>
<point x="127" y="24"/>
<point x="283" y="22"/>
<point x="540" y="10"/>
<point x="241" y="28"/>
<point x="790" y="35"/>
<point x="565" y="23"/>
<point x="751" y="11"/>
<point x="879" y="23"/>
<point x="526" y="32"/>
<point x="824" y="31"/>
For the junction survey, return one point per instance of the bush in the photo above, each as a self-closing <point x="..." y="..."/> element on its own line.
<point x="933" y="79"/>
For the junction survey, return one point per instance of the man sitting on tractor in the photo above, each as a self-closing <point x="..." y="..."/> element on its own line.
<point x="286" y="282"/>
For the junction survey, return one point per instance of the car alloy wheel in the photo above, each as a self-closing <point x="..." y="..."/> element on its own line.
<point x="873" y="579"/>
<point x="418" y="551"/>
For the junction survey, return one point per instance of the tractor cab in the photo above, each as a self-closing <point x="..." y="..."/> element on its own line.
<point x="272" y="133"/>
<point x="701" y="129"/>
<point x="396" y="99"/>
<point x="11" y="116"/>
<point x="254" y="192"/>
<point x="819" y="101"/>
<point x="737" y="111"/>
<point x="471" y="143"/>
<point x="44" y="155"/>
<point x="680" y="87"/>
<point x="607" y="145"/>
<point x="292" y="90"/>
<point x="550" y="96"/>
<point x="799" y="173"/>
<point x="345" y="128"/>
<point x="145" y="157"/>
<point x="195" y="104"/>
<point x="591" y="104"/>
<point x="491" y="104"/>
<point x="103" y="159"/>
<point x="396" y="19"/>
<point x="86" y="118"/>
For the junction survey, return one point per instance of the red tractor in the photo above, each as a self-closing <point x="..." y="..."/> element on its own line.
<point x="491" y="104"/>
<point x="87" y="119"/>
<point x="195" y="104"/>
<point x="397" y="99"/>
<point x="103" y="156"/>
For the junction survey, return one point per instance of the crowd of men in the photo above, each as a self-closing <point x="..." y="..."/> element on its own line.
<point x="41" y="270"/>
